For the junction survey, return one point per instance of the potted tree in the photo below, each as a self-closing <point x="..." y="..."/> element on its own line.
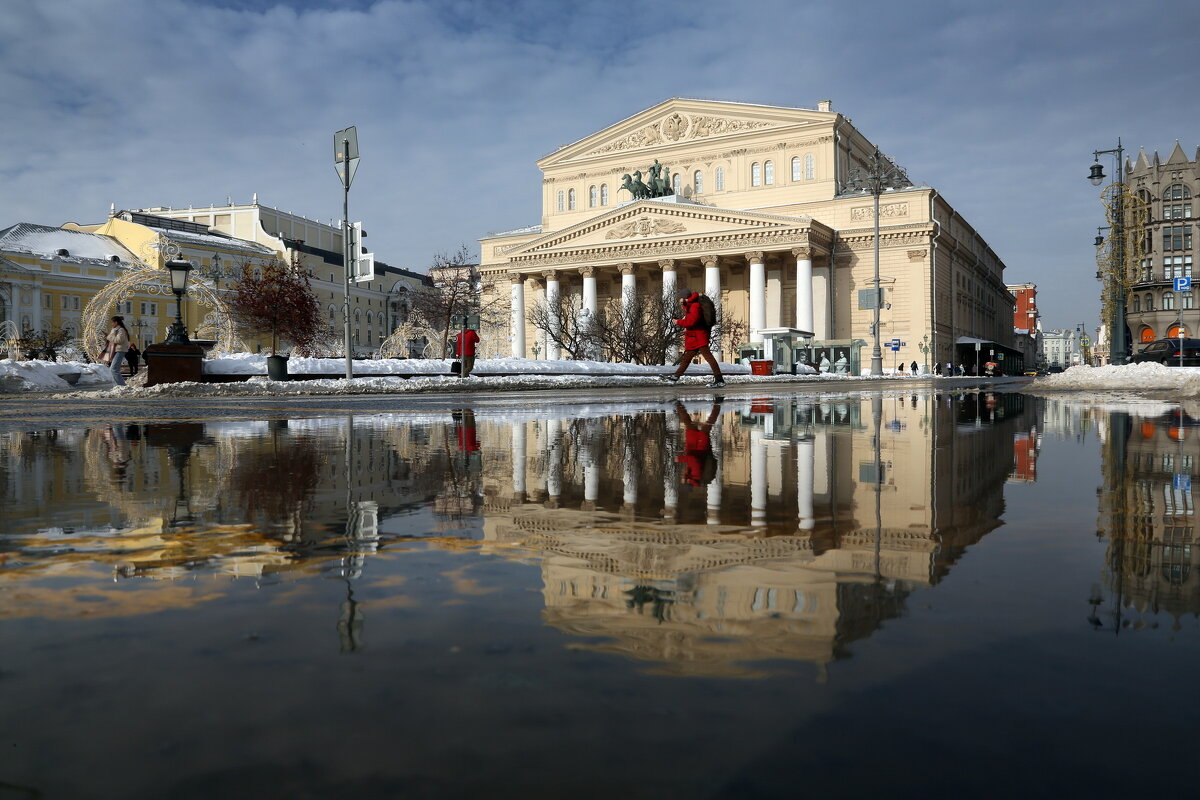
<point x="277" y="299"/>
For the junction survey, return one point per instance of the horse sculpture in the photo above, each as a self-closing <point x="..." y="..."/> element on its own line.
<point x="659" y="186"/>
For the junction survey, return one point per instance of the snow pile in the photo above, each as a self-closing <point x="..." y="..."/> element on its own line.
<point x="1147" y="376"/>
<point x="35" y="376"/>
<point x="256" y="364"/>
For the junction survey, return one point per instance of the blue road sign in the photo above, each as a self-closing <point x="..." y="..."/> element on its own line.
<point x="1183" y="481"/>
<point x="1183" y="283"/>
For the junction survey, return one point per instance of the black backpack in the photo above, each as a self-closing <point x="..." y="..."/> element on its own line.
<point x="708" y="311"/>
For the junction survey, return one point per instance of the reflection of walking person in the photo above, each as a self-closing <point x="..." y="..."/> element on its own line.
<point x="118" y="345"/>
<point x="464" y="430"/>
<point x="699" y="463"/>
<point x="464" y="348"/>
<point x="119" y="453"/>
<point x="697" y="327"/>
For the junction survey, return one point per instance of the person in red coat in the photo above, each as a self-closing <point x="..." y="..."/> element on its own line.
<point x="695" y="337"/>
<point x="699" y="463"/>
<point x="464" y="348"/>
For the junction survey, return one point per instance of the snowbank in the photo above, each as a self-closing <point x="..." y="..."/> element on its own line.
<point x="1129" y="377"/>
<point x="36" y="376"/>
<point x="256" y="364"/>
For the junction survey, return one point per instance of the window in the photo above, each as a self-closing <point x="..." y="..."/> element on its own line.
<point x="756" y="174"/>
<point x="676" y="184"/>
<point x="1177" y="237"/>
<point x="1137" y="303"/>
<point x="1147" y="335"/>
<point x="46" y="300"/>
<point x="796" y="168"/>
<point x="770" y="173"/>
<point x="1147" y="273"/>
<point x="1186" y="303"/>
<point x="559" y="205"/>
<point x="1149" y="298"/>
<point x="810" y="167"/>
<point x="697" y="182"/>
<point x="593" y="196"/>
<point x="1177" y="267"/>
<point x="66" y="302"/>
<point x="1177" y="191"/>
<point x="75" y="302"/>
<point x="720" y="179"/>
<point x="570" y="200"/>
<point x="604" y="194"/>
<point x="1168" y="303"/>
<point x="149" y="309"/>
<point x="1176" y="210"/>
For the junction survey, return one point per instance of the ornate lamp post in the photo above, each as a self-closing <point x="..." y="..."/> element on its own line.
<point x="179" y="269"/>
<point x="881" y="175"/>
<point x="924" y="347"/>
<point x="1116" y="339"/>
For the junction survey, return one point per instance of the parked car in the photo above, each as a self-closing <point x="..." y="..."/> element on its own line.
<point x="1054" y="368"/>
<point x="1166" y="351"/>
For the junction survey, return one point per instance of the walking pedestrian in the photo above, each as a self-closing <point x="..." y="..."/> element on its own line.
<point x="699" y="462"/>
<point x="914" y="367"/>
<point x="131" y="355"/>
<point x="118" y="345"/>
<point x="464" y="348"/>
<point x="697" y="328"/>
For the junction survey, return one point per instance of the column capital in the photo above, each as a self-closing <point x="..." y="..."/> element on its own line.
<point x="803" y="253"/>
<point x="667" y="264"/>
<point x="550" y="275"/>
<point x="755" y="256"/>
<point x="710" y="262"/>
<point x="627" y="268"/>
<point x="587" y="272"/>
<point x="516" y="277"/>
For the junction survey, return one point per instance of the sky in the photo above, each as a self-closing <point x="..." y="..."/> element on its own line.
<point x="998" y="106"/>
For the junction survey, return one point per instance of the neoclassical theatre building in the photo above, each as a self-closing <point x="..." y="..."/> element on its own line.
<point x="760" y="220"/>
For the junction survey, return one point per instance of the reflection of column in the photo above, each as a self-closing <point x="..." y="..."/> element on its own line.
<point x="630" y="476"/>
<point x="553" y="460"/>
<point x="553" y="352"/>
<point x="758" y="295"/>
<point x="758" y="479"/>
<point x="518" y="461"/>
<point x="804" y="288"/>
<point x="805" y="458"/>
<point x="714" y="488"/>
<point x="591" y="474"/>
<point x="517" y="324"/>
<point x="670" y="470"/>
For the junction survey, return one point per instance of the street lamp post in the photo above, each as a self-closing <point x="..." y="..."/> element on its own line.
<point x="1116" y="344"/>
<point x="881" y="175"/>
<point x="924" y="347"/>
<point x="179" y="269"/>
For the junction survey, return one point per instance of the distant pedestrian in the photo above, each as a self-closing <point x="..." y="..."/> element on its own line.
<point x="131" y="355"/>
<point x="464" y="348"/>
<point x="118" y="345"/>
<point x="900" y="368"/>
<point x="937" y="368"/>
<point x="697" y="327"/>
<point x="914" y="367"/>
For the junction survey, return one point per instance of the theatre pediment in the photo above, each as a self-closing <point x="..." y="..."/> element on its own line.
<point x="652" y="221"/>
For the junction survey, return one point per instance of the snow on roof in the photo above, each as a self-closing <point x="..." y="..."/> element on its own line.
<point x="47" y="242"/>
<point x="516" y="231"/>
<point x="214" y="240"/>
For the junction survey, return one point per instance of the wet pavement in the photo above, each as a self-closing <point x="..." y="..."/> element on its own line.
<point x="658" y="594"/>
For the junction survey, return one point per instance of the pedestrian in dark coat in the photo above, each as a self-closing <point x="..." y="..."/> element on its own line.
<point x="131" y="356"/>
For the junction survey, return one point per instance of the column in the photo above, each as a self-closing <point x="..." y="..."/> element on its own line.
<point x="628" y="285"/>
<point x="758" y="479"/>
<point x="758" y="295"/>
<point x="670" y="289"/>
<point x="804" y="288"/>
<point x="518" y="461"/>
<point x="712" y="288"/>
<point x="589" y="290"/>
<point x="517" y="323"/>
<point x="553" y="352"/>
<point x="822" y="280"/>
<point x="805" y="459"/>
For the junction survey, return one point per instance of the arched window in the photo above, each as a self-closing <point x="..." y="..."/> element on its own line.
<point x="796" y="168"/>
<point x="604" y="194"/>
<point x="1137" y="303"/>
<point x="720" y="179"/>
<point x="810" y="168"/>
<point x="1168" y="303"/>
<point x="570" y="200"/>
<point x="593" y="196"/>
<point x="770" y="173"/>
<point x="1147" y="335"/>
<point x="1173" y="208"/>
<point x="559" y="205"/>
<point x="368" y="317"/>
<point x="1149" y="299"/>
<point x="1177" y="191"/>
<point x="332" y="314"/>
<point x="677" y="183"/>
<point x="1174" y="331"/>
<point x="756" y="174"/>
<point x="697" y="182"/>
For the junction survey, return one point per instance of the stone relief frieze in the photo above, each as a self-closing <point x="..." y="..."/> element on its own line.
<point x="891" y="210"/>
<point x="646" y="226"/>
<point x="677" y="127"/>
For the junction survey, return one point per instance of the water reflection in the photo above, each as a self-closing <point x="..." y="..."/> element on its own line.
<point x="1147" y="518"/>
<point x="699" y="538"/>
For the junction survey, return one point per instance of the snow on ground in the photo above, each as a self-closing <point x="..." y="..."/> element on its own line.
<point x="32" y="376"/>
<point x="256" y="364"/>
<point x="1145" y="377"/>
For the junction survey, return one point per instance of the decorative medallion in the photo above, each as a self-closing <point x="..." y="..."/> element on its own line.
<point x="890" y="210"/>
<point x="646" y="226"/>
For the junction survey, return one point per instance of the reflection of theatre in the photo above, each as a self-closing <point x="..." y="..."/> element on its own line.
<point x="759" y="220"/>
<point x="781" y="556"/>
<point x="1148" y="516"/>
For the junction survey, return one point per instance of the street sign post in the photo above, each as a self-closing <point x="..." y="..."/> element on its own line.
<point x="345" y="162"/>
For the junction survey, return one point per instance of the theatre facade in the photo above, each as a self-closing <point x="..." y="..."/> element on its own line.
<point x="759" y="219"/>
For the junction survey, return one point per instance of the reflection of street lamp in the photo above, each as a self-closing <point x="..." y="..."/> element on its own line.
<point x="1116" y="338"/>
<point x="881" y="175"/>
<point x="179" y="270"/>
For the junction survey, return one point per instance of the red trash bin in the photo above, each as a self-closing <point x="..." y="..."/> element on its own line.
<point x="762" y="367"/>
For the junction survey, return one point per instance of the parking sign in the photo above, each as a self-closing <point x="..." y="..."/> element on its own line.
<point x="1183" y="283"/>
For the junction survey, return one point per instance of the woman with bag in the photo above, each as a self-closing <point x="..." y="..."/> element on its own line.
<point x="118" y="344"/>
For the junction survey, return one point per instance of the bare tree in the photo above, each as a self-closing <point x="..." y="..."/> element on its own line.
<point x="455" y="292"/>
<point x="567" y="325"/>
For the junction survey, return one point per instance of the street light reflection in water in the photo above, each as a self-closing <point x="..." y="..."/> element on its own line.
<point x="580" y="552"/>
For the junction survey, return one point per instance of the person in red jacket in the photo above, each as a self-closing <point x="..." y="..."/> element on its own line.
<point x="695" y="337"/>
<point x="464" y="348"/>
<point x="699" y="463"/>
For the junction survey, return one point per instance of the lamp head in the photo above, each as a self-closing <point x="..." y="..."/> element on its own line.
<point x="1096" y="175"/>
<point x="1099" y="240"/>
<point x="179" y="270"/>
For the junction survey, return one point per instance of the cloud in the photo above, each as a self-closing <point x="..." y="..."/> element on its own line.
<point x="177" y="102"/>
